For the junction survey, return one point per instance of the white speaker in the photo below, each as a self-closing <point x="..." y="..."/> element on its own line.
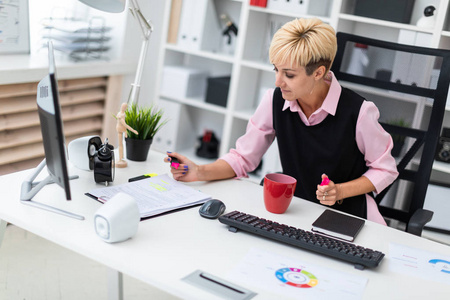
<point x="81" y="151"/>
<point x="118" y="219"/>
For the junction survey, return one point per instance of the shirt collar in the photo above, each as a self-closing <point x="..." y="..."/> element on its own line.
<point x="331" y="100"/>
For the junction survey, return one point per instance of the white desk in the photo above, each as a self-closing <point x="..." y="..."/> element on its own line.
<point x="170" y="247"/>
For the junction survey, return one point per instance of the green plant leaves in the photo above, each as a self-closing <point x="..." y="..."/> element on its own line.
<point x="145" y="120"/>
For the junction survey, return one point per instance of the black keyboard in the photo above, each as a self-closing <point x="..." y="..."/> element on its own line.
<point x="358" y="255"/>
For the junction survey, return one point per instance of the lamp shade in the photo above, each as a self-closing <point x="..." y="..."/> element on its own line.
<point x="112" y="6"/>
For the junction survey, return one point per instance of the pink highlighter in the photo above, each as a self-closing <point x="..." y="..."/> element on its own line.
<point x="174" y="162"/>
<point x="325" y="181"/>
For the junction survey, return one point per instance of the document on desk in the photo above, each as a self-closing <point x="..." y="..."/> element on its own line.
<point x="154" y="195"/>
<point x="419" y="263"/>
<point x="296" y="279"/>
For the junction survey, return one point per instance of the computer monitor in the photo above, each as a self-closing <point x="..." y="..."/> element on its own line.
<point x="49" y="111"/>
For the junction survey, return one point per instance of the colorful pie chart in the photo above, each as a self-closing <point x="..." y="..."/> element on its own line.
<point x="296" y="277"/>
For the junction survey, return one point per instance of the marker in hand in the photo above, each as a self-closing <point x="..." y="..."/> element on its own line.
<point x="325" y="181"/>
<point x="174" y="162"/>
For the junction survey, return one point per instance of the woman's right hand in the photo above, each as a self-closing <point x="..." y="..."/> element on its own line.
<point x="187" y="169"/>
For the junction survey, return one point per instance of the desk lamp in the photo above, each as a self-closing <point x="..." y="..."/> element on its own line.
<point x="117" y="6"/>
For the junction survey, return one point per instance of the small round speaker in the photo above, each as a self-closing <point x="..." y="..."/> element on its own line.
<point x="118" y="219"/>
<point x="81" y="151"/>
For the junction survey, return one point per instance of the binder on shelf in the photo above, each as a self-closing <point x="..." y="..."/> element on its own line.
<point x="174" y="23"/>
<point x="260" y="3"/>
<point x="199" y="27"/>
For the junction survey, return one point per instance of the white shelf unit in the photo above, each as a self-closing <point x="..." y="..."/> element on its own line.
<point x="251" y="71"/>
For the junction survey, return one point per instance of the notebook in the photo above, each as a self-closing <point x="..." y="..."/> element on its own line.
<point x="338" y="225"/>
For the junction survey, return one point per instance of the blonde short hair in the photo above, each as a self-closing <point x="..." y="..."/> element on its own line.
<point x="309" y="43"/>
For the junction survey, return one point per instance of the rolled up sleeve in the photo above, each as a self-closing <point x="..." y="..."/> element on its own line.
<point x="376" y="145"/>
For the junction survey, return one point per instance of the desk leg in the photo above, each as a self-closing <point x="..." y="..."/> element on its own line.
<point x="115" y="285"/>
<point x="2" y="230"/>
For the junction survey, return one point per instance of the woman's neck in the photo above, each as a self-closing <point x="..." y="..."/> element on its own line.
<point x="315" y="100"/>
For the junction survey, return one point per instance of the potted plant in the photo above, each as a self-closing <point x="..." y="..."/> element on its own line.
<point x="146" y="121"/>
<point x="399" y="140"/>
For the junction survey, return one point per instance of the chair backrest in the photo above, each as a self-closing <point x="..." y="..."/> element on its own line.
<point x="413" y="79"/>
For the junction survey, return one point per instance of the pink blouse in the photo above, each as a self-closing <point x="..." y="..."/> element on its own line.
<point x="372" y="140"/>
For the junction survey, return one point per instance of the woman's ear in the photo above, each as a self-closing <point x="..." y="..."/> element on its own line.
<point x="319" y="73"/>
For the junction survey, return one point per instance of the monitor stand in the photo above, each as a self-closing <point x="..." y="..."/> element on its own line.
<point x="30" y="189"/>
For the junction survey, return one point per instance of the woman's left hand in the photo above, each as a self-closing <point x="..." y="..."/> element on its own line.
<point x="327" y="194"/>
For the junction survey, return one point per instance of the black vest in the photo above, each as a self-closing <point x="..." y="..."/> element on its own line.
<point x="330" y="147"/>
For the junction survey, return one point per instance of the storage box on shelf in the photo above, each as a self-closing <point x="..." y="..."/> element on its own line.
<point x="182" y="82"/>
<point x="217" y="90"/>
<point x="398" y="10"/>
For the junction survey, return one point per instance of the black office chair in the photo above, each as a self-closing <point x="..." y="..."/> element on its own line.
<point x="389" y="75"/>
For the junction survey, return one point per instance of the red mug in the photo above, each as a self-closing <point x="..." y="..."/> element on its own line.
<point x="278" y="192"/>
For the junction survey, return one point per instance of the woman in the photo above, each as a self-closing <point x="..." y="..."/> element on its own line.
<point x="322" y="129"/>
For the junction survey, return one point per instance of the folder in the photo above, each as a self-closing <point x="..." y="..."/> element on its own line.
<point x="199" y="26"/>
<point x="260" y="3"/>
<point x="174" y="24"/>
